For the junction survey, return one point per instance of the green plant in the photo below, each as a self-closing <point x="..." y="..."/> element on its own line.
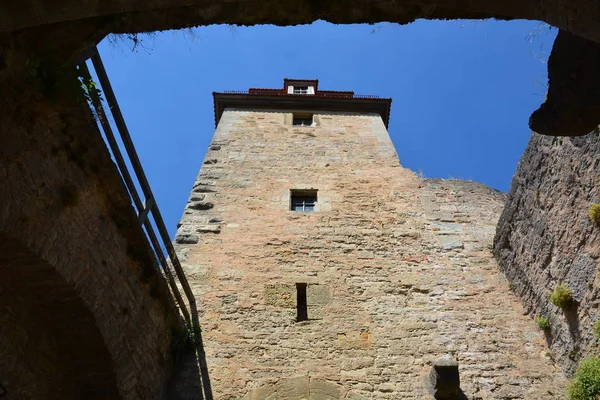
<point x="180" y="340"/>
<point x="597" y="329"/>
<point x="561" y="296"/>
<point x="536" y="195"/>
<point x="542" y="322"/>
<point x="586" y="381"/>
<point x="594" y="213"/>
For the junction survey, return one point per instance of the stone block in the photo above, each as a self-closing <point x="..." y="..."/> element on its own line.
<point x="450" y="242"/>
<point x="209" y="229"/>
<point x="316" y="312"/>
<point x="266" y="392"/>
<point x="355" y="395"/>
<point x="297" y="388"/>
<point x="196" y="272"/>
<point x="324" y="390"/>
<point x="186" y="238"/>
<point x="200" y="205"/>
<point x="317" y="295"/>
<point x="280" y="295"/>
<point x="446" y="228"/>
<point x="197" y="196"/>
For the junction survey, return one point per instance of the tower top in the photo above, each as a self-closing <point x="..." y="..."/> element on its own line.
<point x="301" y="94"/>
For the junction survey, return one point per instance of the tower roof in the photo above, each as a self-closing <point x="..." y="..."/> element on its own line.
<point x="301" y="94"/>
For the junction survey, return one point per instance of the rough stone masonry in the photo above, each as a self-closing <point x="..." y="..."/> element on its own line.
<point x="398" y="270"/>
<point x="545" y="238"/>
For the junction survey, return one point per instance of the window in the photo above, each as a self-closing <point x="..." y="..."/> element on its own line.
<point x="303" y="119"/>
<point x="303" y="200"/>
<point x="300" y="89"/>
<point x="301" y="306"/>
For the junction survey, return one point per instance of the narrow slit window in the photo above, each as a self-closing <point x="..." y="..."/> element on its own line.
<point x="303" y="200"/>
<point x="301" y="306"/>
<point x="302" y="120"/>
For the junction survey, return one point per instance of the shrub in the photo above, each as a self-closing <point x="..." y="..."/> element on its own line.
<point x="594" y="213"/>
<point x="597" y="329"/>
<point x="542" y="322"/>
<point x="561" y="297"/>
<point x="586" y="381"/>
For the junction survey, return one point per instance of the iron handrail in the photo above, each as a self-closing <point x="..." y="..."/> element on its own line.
<point x="149" y="206"/>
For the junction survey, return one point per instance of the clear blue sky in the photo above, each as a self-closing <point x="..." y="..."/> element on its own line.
<point x="462" y="90"/>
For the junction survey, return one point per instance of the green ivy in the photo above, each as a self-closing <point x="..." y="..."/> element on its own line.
<point x="88" y="86"/>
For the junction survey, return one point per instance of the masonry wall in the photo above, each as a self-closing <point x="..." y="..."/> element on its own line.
<point x="84" y="311"/>
<point x="545" y="238"/>
<point x="398" y="270"/>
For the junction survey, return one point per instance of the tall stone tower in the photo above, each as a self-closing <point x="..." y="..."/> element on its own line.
<point x="325" y="270"/>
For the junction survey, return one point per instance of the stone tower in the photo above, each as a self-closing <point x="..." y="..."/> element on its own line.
<point x="325" y="270"/>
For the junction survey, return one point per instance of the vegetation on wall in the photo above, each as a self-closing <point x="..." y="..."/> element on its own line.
<point x="594" y="213"/>
<point x="561" y="296"/>
<point x="586" y="381"/>
<point x="542" y="322"/>
<point x="597" y="329"/>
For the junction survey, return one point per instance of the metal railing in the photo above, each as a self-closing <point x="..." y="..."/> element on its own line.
<point x="365" y="96"/>
<point x="281" y="92"/>
<point x="145" y="208"/>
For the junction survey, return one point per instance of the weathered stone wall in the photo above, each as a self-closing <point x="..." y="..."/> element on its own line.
<point x="84" y="312"/>
<point x="545" y="238"/>
<point x="399" y="270"/>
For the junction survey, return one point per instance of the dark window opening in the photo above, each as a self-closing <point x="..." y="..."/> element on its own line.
<point x="300" y="89"/>
<point x="301" y="306"/>
<point x="303" y="201"/>
<point x="302" y="119"/>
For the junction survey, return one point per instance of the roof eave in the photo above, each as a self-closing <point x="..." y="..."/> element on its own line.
<point x="350" y="104"/>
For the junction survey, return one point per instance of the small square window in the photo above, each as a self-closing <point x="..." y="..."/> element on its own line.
<point x="303" y="200"/>
<point x="300" y="89"/>
<point x="302" y="120"/>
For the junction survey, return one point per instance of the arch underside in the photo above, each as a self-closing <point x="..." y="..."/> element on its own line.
<point x="50" y="347"/>
<point x="65" y="30"/>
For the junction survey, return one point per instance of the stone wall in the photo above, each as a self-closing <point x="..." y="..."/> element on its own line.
<point x="398" y="270"/>
<point x="545" y="238"/>
<point x="84" y="311"/>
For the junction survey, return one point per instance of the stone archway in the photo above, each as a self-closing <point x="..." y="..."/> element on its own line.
<point x="576" y="16"/>
<point x="50" y="347"/>
<point x="299" y="388"/>
<point x="65" y="30"/>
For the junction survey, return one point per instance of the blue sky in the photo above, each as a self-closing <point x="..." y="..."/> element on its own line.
<point x="462" y="90"/>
